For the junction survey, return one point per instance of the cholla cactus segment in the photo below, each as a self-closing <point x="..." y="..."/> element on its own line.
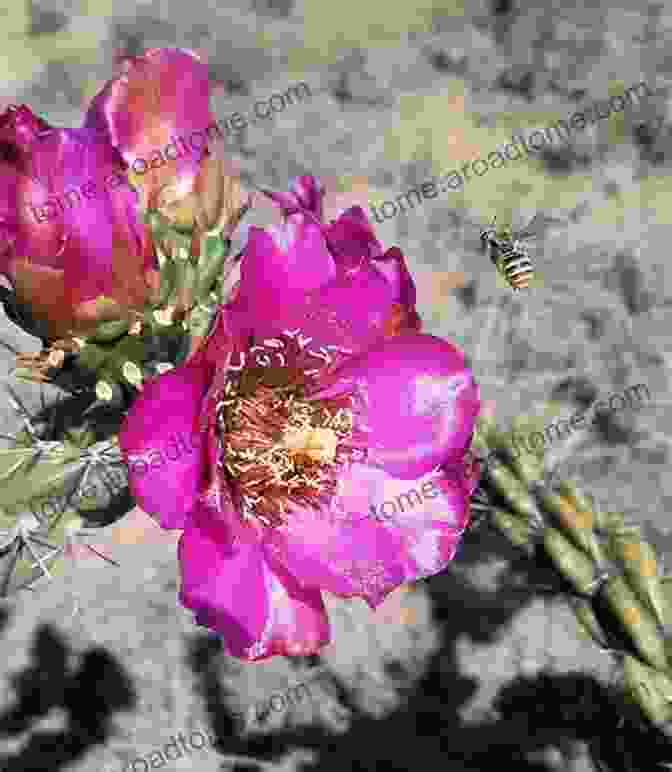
<point x="605" y="561"/>
<point x="588" y="622"/>
<point x="528" y="468"/>
<point x="651" y="690"/>
<point x="200" y="319"/>
<point x="215" y="254"/>
<point x="581" y="502"/>
<point x="513" y="490"/>
<point x="578" y="524"/>
<point x="184" y="293"/>
<point x="515" y="529"/>
<point x="609" y="522"/>
<point x="38" y="552"/>
<point x="666" y="592"/>
<point x="111" y="363"/>
<point x="93" y="357"/>
<point x="13" y="460"/>
<point x="164" y="232"/>
<point x="82" y="436"/>
<point x="39" y="511"/>
<point x="12" y="528"/>
<point x="168" y="281"/>
<point x="639" y="563"/>
<point x="107" y="332"/>
<point x="572" y="563"/>
<point x="637" y="622"/>
<point x="43" y="470"/>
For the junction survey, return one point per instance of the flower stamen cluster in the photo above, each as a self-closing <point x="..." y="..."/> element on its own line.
<point x="280" y="447"/>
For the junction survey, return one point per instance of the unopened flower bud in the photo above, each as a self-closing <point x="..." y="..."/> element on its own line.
<point x="208" y="202"/>
<point x="177" y="203"/>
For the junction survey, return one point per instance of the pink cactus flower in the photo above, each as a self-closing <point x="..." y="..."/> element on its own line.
<point x="69" y="225"/>
<point x="314" y="400"/>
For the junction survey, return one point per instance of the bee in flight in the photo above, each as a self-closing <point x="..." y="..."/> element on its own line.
<point x="508" y="253"/>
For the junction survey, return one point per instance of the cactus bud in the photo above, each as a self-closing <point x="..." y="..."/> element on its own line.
<point x="528" y="468"/>
<point x="515" y="529"/>
<point x="639" y="625"/>
<point x="216" y="252"/>
<point x="644" y="687"/>
<point x="81" y="437"/>
<point x="588" y="624"/>
<point x="168" y="281"/>
<point x="578" y="524"/>
<point x="609" y="522"/>
<point x="574" y="565"/>
<point x="109" y="331"/>
<point x="639" y="561"/>
<point x="513" y="491"/>
<point x="92" y="356"/>
<point x="574" y="495"/>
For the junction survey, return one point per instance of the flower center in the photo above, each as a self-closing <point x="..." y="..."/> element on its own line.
<point x="280" y="448"/>
<point x="317" y="444"/>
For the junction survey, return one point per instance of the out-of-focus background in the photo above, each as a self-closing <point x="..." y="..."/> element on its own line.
<point x="474" y="666"/>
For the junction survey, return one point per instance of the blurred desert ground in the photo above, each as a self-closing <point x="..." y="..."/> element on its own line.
<point x="474" y="665"/>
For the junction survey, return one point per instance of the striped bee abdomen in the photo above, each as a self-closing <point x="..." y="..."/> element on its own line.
<point x="517" y="268"/>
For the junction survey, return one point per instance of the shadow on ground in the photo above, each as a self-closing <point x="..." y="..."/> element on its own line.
<point x="90" y="696"/>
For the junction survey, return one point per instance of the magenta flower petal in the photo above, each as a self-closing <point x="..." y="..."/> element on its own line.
<point x="393" y="266"/>
<point x="20" y="127"/>
<point x="347" y="556"/>
<point x="348" y="314"/>
<point x="423" y="382"/>
<point x="163" y="446"/>
<point x="144" y="110"/>
<point x="71" y="225"/>
<point x="292" y="258"/>
<point x="259" y="609"/>
<point x="305" y="196"/>
<point x="306" y="256"/>
<point x="103" y="228"/>
<point x="310" y="192"/>
<point x="379" y="532"/>
<point x="351" y="238"/>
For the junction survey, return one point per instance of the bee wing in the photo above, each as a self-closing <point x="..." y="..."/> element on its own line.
<point x="538" y="226"/>
<point x="535" y="228"/>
